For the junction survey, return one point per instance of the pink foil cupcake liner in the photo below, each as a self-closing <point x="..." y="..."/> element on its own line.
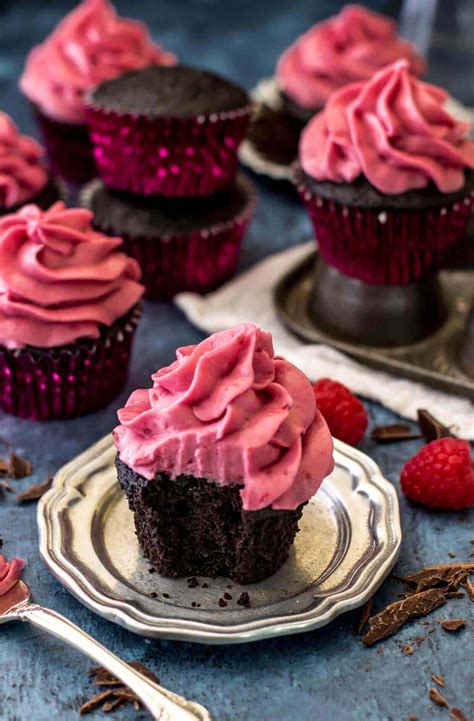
<point x="168" y="156"/>
<point x="67" y="381"/>
<point x="390" y="246"/>
<point x="195" y="260"/>
<point x="69" y="148"/>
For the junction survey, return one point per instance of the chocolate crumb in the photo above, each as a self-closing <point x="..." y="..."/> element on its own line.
<point x="453" y="624"/>
<point x="36" y="491"/>
<point x="193" y="582"/>
<point x="227" y="596"/>
<point x="380" y="650"/>
<point x="393" y="432"/>
<point x="457" y="714"/>
<point x="165" y="595"/>
<point x="451" y="554"/>
<point x="431" y="428"/>
<point x="394" y="616"/>
<point x="438" y="698"/>
<point x="18" y="467"/>
<point x="244" y="599"/>
<point x="222" y="603"/>
<point x="204" y="585"/>
<point x="153" y="594"/>
<point x="151" y="570"/>
<point x="194" y="604"/>
<point x="408" y="649"/>
<point x="438" y="679"/>
<point x="229" y="586"/>
<point x="364" y="615"/>
<point x="413" y="718"/>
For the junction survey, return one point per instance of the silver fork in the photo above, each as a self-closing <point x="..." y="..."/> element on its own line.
<point x="162" y="704"/>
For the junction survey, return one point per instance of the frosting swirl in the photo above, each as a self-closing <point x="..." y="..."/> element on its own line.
<point x="59" y="279"/>
<point x="10" y="573"/>
<point x="22" y="174"/>
<point x="346" y="48"/>
<point x="392" y="129"/>
<point x="229" y="411"/>
<point x="90" y="45"/>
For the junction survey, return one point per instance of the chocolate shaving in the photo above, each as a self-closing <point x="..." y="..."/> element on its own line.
<point x="470" y="589"/>
<point x="116" y="693"/>
<point x="455" y="594"/>
<point x="394" y="432"/>
<point x="4" y="467"/>
<point x="36" y="491"/>
<point x="19" y="467"/>
<point x="438" y="698"/>
<point x="453" y="624"/>
<point x="367" y="609"/>
<point x="94" y="702"/>
<point x="394" y="616"/>
<point x="457" y="714"/>
<point x="438" y="679"/>
<point x="5" y="486"/>
<point x="112" y="705"/>
<point x="431" y="428"/>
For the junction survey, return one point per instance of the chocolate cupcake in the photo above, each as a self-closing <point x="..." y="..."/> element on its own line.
<point x="346" y="48"/>
<point x="90" y="45"/>
<point x="386" y="176"/>
<point x="69" y="306"/>
<point x="169" y="131"/>
<point x="23" y="175"/>
<point x="219" y="457"/>
<point x="181" y="244"/>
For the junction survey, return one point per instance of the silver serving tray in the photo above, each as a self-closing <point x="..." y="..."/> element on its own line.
<point x="349" y="540"/>
<point x="433" y="360"/>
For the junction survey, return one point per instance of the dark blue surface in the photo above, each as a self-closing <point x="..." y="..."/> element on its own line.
<point x="321" y="676"/>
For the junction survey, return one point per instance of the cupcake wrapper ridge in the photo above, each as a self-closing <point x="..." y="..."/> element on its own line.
<point x="168" y="156"/>
<point x="195" y="261"/>
<point x="385" y="246"/>
<point x="68" y="381"/>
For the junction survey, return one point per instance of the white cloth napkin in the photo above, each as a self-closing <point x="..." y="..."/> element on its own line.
<point x="249" y="298"/>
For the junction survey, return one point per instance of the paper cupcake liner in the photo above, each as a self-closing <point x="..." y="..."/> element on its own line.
<point x="69" y="148"/>
<point x="168" y="156"/>
<point x="197" y="260"/>
<point x="67" y="381"/>
<point x="391" y="246"/>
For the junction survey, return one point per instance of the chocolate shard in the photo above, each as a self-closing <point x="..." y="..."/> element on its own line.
<point x="451" y="576"/>
<point x="438" y="698"/>
<point x="393" y="433"/>
<point x="438" y="679"/>
<point x="112" y="705"/>
<point x="34" y="492"/>
<point x="19" y="467"/>
<point x="94" y="702"/>
<point x="394" y="616"/>
<point x="453" y="624"/>
<point x="470" y="589"/>
<point x="431" y="428"/>
<point x="367" y="609"/>
<point x="457" y="714"/>
<point x="4" y="467"/>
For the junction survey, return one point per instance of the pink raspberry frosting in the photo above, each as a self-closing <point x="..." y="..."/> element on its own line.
<point x="59" y="279"/>
<point x="392" y="129"/>
<point x="22" y="173"/>
<point x="229" y="411"/>
<point x="92" y="44"/>
<point x="346" y="48"/>
<point x="10" y="573"/>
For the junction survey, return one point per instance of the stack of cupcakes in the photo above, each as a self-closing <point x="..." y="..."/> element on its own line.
<point x="165" y="143"/>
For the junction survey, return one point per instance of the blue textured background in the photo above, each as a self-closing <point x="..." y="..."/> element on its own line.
<point x="321" y="676"/>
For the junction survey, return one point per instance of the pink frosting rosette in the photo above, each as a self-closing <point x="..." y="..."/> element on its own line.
<point x="10" y="573"/>
<point x="346" y="48"/>
<point x="22" y="173"/>
<point x="59" y="279"/>
<point x="229" y="411"/>
<point x="90" y="45"/>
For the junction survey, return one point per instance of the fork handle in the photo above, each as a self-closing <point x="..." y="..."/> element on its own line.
<point x="162" y="704"/>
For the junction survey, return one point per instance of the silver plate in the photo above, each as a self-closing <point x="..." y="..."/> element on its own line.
<point x="349" y="540"/>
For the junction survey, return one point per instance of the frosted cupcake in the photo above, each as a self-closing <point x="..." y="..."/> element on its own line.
<point x="90" y="45"/>
<point x="219" y="457"/>
<point x="23" y="175"/>
<point x="69" y="306"/>
<point x="386" y="174"/>
<point x="346" y="48"/>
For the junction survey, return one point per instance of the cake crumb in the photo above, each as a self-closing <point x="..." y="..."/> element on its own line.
<point x="222" y="602"/>
<point x="244" y="599"/>
<point x="193" y="582"/>
<point x="153" y="594"/>
<point x="227" y="596"/>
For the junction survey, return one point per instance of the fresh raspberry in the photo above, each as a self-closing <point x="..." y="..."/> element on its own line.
<point x="344" y="413"/>
<point x="441" y="475"/>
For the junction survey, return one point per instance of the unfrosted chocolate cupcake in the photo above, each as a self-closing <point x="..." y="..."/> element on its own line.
<point x="219" y="457"/>
<point x="181" y="244"/>
<point x="169" y="131"/>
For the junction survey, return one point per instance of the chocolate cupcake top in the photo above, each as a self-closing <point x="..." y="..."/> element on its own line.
<point x="90" y="45"/>
<point x="229" y="411"/>
<point x="346" y="48"/>
<point x="22" y="172"/>
<point x="393" y="131"/>
<point x="178" y="91"/>
<point x="59" y="279"/>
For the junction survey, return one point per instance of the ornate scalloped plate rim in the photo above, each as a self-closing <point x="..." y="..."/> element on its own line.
<point x="128" y="616"/>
